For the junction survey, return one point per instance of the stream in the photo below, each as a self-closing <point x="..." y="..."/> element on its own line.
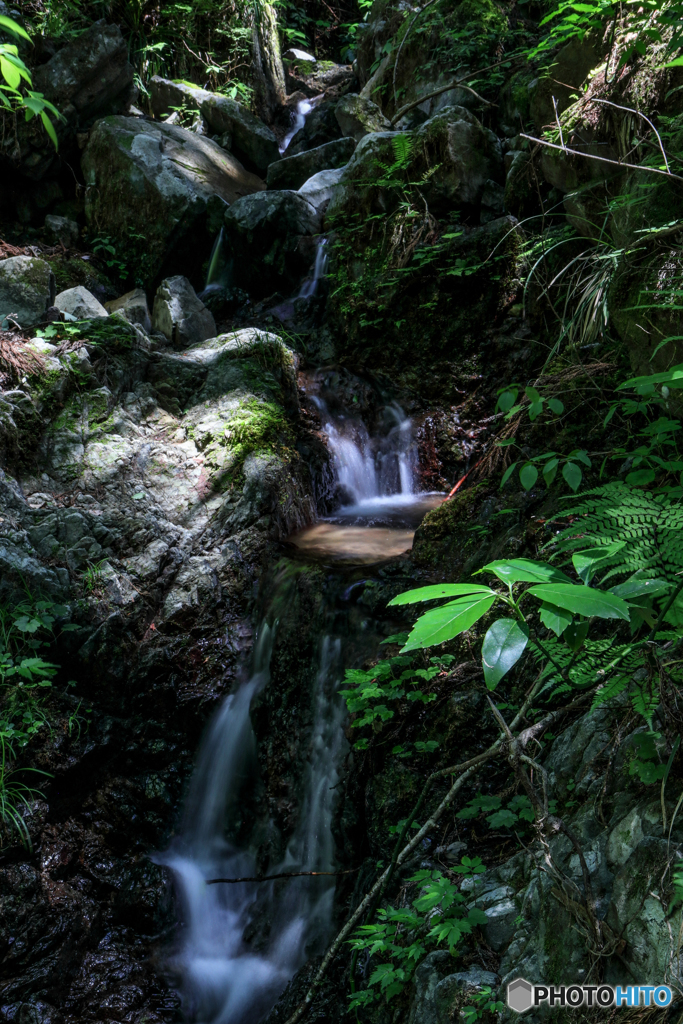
<point x="223" y="978"/>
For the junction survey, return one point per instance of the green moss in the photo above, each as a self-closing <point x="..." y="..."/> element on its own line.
<point x="442" y="535"/>
<point x="257" y="428"/>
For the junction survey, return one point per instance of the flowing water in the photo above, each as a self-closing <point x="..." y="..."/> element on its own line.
<point x="303" y="109"/>
<point x="223" y="978"/>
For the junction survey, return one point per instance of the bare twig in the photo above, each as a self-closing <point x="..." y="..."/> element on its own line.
<point x="457" y="84"/>
<point x="602" y="159"/>
<point x="281" y="874"/>
<point x="630" y="110"/>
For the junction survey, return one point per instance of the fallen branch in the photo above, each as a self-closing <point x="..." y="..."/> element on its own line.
<point x="458" y="84"/>
<point x="281" y="874"/>
<point x="601" y="159"/>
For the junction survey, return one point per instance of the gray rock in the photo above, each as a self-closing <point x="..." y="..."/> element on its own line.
<point x="293" y="54"/>
<point x="169" y="180"/>
<point x="293" y="171"/>
<point x="471" y="155"/>
<point x="321" y="126"/>
<point x="62" y="229"/>
<point x="180" y="315"/>
<point x="358" y="116"/>
<point x="80" y="303"/>
<point x="27" y="289"/>
<point x="438" y="994"/>
<point x="270" y="237"/>
<point x="252" y="140"/>
<point x="166" y="95"/>
<point x="132" y="305"/>
<point x="319" y="190"/>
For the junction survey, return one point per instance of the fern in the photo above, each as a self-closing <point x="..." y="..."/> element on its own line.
<point x="403" y="148"/>
<point x="649" y="527"/>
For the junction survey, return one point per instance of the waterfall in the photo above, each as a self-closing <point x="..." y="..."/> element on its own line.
<point x="223" y="980"/>
<point x="303" y="109"/>
<point x="369" y="469"/>
<point x="310" y="285"/>
<point x="219" y="274"/>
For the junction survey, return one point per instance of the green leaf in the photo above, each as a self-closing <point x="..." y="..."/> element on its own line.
<point x="49" y="128"/>
<point x="582" y="600"/>
<point x="590" y="560"/>
<point x="503" y="646"/>
<point x="507" y="474"/>
<point x="550" y="471"/>
<point x="503" y="818"/>
<point x="573" y="475"/>
<point x="556" y="406"/>
<point x="524" y="570"/>
<point x="641" y="588"/>
<point x="442" y="624"/>
<point x="11" y="26"/>
<point x="506" y="400"/>
<point x="439" y="590"/>
<point x="528" y="475"/>
<point x="575" y="635"/>
<point x="640" y="477"/>
<point x="555" y="618"/>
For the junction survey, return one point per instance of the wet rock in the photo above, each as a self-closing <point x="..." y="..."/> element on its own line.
<point x="320" y="127"/>
<point x="163" y="177"/>
<point x="293" y="171"/>
<point x="132" y="305"/>
<point x="79" y="303"/>
<point x="280" y="225"/>
<point x="252" y="140"/>
<point x="319" y="190"/>
<point x="62" y="229"/>
<point x="358" y="117"/>
<point x="180" y="315"/>
<point x="27" y="289"/>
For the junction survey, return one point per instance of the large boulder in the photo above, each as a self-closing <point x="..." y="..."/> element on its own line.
<point x="180" y="314"/>
<point x="166" y="95"/>
<point x="358" y="116"/>
<point x="162" y="180"/>
<point x="293" y="171"/>
<point x="87" y="78"/>
<point x="27" y="289"/>
<point x="270" y="239"/>
<point x="252" y="140"/>
<point x="133" y="306"/>
<point x="79" y="303"/>
<point x="319" y="189"/>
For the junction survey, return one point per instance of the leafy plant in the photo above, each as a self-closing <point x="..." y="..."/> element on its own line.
<point x="15" y="76"/>
<point x="439" y="916"/>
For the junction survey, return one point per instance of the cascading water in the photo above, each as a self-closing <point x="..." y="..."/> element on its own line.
<point x="309" y="285"/>
<point x="303" y="109"/>
<point x="222" y="980"/>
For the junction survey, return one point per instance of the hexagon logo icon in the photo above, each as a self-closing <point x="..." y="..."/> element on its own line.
<point x="520" y="995"/>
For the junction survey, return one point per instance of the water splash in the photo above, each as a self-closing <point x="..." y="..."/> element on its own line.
<point x="219" y="274"/>
<point x="303" y="109"/>
<point x="371" y="468"/>
<point x="309" y="286"/>
<point x="223" y="979"/>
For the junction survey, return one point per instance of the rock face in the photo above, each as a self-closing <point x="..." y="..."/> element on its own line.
<point x="165" y="95"/>
<point x="319" y="190"/>
<point x="180" y="315"/>
<point x="87" y="78"/>
<point x="62" y="229"/>
<point x="163" y="178"/>
<point x="27" y="289"/>
<point x="358" y="116"/>
<point x="80" y="303"/>
<point x="270" y="237"/>
<point x="293" y="171"/>
<point x="252" y="140"/>
<point x="132" y="305"/>
<point x="321" y="126"/>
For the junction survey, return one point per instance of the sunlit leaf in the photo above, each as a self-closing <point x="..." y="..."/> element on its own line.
<point x="439" y="590"/>
<point x="442" y="624"/>
<point x="503" y="646"/>
<point x="582" y="600"/>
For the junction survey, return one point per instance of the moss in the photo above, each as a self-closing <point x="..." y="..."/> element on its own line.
<point x="258" y="427"/>
<point x="441" y="537"/>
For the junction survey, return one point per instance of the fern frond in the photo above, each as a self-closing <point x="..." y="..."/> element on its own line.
<point x="650" y="525"/>
<point x="403" y="147"/>
<point x="590" y="666"/>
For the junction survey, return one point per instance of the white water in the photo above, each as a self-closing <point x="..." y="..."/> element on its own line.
<point x="222" y="979"/>
<point x="303" y="109"/>
<point x="309" y="285"/>
<point x="372" y="470"/>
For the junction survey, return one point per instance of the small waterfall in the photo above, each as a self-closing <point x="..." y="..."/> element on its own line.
<point x="310" y="285"/>
<point x="219" y="274"/>
<point x="223" y="980"/>
<point x="368" y="468"/>
<point x="303" y="109"/>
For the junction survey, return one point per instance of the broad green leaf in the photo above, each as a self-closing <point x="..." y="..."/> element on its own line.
<point x="573" y="475"/>
<point x="503" y="646"/>
<point x="506" y="400"/>
<point x="640" y="477"/>
<point x="49" y="128"/>
<point x="641" y="588"/>
<point x="502" y="818"/>
<point x="555" y="618"/>
<point x="550" y="471"/>
<point x="535" y="410"/>
<point x="588" y="561"/>
<point x="440" y="590"/>
<point x="575" y="635"/>
<point x="673" y="378"/>
<point x="442" y="624"/>
<point x="556" y="406"/>
<point x="507" y="474"/>
<point x="582" y="600"/>
<point x="524" y="570"/>
<point x="582" y="456"/>
<point x="10" y="73"/>
<point x="528" y="475"/>
<point x="11" y="26"/>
